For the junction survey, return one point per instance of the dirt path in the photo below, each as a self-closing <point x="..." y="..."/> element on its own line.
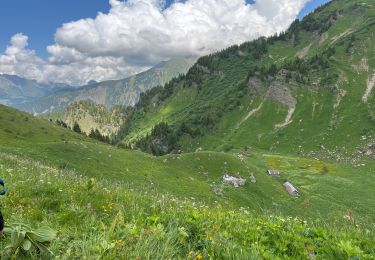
<point x="288" y="118"/>
<point x="302" y="53"/>
<point x="370" y="86"/>
<point x="338" y="37"/>
<point x="250" y="114"/>
<point x="340" y="95"/>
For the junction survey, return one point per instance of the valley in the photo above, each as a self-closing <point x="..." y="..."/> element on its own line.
<point x="137" y="168"/>
<point x="329" y="190"/>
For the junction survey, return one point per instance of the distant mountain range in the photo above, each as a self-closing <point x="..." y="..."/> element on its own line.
<point x="15" y="90"/>
<point x="123" y="92"/>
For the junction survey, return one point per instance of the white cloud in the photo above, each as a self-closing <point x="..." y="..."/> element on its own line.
<point x="136" y="34"/>
<point x="65" y="65"/>
<point x="18" y="60"/>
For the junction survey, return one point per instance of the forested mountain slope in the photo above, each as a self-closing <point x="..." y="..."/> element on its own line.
<point x="91" y="117"/>
<point x="307" y="91"/>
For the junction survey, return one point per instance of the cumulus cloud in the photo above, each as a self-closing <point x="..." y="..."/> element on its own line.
<point x="18" y="60"/>
<point x="137" y="34"/>
<point x="64" y="65"/>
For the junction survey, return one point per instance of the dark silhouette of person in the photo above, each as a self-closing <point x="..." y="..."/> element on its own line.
<point x="1" y="225"/>
<point x="2" y="192"/>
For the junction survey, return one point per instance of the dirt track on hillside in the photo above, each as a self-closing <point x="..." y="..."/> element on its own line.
<point x="370" y="86"/>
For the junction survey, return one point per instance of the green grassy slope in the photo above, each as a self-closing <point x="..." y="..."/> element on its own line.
<point x="99" y="219"/>
<point x="330" y="189"/>
<point x="19" y="129"/>
<point x="325" y="87"/>
<point x="182" y="175"/>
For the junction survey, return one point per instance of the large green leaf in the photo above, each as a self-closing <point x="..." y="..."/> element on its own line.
<point x="42" y="234"/>
<point x="17" y="237"/>
<point x="26" y="245"/>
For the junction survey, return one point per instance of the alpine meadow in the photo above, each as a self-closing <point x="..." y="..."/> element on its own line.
<point x="260" y="150"/>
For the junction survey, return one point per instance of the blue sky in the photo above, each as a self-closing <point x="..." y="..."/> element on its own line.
<point x="311" y="7"/>
<point x="133" y="37"/>
<point x="39" y="18"/>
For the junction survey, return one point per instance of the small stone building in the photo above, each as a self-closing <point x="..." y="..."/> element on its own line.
<point x="291" y="189"/>
<point x="253" y="179"/>
<point x="236" y="182"/>
<point x="274" y="173"/>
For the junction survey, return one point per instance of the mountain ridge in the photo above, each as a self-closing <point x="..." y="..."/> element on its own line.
<point x="15" y="90"/>
<point x="124" y="92"/>
<point x="272" y="93"/>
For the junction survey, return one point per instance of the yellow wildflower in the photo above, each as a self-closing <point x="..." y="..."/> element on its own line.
<point x="199" y="257"/>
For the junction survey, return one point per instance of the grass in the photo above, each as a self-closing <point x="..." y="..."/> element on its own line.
<point x="22" y="129"/>
<point x="330" y="188"/>
<point x="198" y="175"/>
<point x="120" y="222"/>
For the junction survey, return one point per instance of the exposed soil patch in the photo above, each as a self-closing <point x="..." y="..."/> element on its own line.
<point x="338" y="37"/>
<point x="257" y="86"/>
<point x="250" y="114"/>
<point x="340" y="95"/>
<point x="370" y="150"/>
<point x="370" y="86"/>
<point x="323" y="38"/>
<point x="279" y="91"/>
<point x="288" y="118"/>
<point x="302" y="53"/>
<point x="314" y="105"/>
<point x="362" y="66"/>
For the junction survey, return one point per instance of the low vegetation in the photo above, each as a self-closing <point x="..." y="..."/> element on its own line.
<point x="120" y="222"/>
